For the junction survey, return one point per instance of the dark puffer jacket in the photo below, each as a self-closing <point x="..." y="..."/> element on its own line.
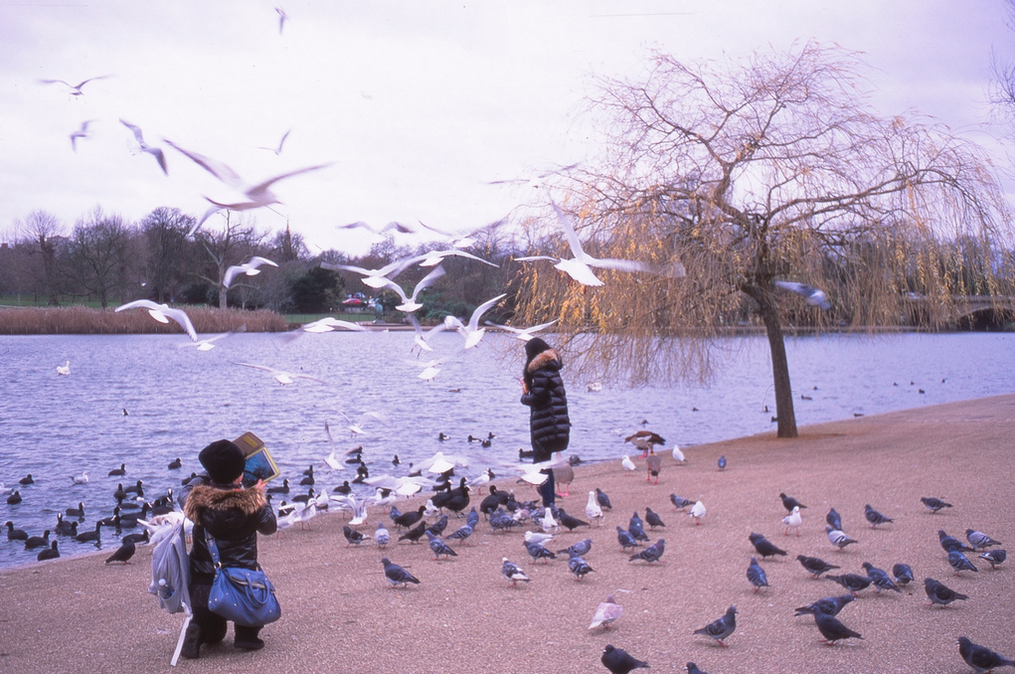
<point x="233" y="517"/>
<point x="549" y="423"/>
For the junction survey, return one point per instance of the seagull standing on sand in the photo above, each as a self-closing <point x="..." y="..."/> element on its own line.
<point x="162" y="313"/>
<point x="593" y="510"/>
<point x="697" y="511"/>
<point x="627" y="463"/>
<point x="250" y="268"/>
<point x="793" y="521"/>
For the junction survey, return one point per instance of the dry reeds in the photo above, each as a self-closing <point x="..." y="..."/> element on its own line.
<point x="79" y="320"/>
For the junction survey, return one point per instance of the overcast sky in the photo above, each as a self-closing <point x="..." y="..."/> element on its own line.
<point x="417" y="105"/>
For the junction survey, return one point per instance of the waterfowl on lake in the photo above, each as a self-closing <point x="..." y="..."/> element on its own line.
<point x="122" y="470"/>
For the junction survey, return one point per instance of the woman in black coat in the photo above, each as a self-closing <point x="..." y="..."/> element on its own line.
<point x="233" y="516"/>
<point x="543" y="392"/>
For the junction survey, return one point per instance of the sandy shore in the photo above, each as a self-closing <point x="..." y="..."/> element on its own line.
<point x="340" y="615"/>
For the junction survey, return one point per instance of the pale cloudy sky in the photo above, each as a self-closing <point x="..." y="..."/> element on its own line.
<point x="419" y="105"/>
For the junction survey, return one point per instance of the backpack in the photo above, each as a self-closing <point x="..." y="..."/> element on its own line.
<point x="171" y="568"/>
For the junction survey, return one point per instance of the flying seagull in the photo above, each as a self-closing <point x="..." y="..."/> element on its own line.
<point x="75" y="88"/>
<point x="80" y="133"/>
<point x="524" y="334"/>
<point x="250" y="268"/>
<point x="472" y="332"/>
<point x="156" y="152"/>
<point x="162" y="313"/>
<point x="281" y="376"/>
<point x="811" y="295"/>
<point x="409" y="303"/>
<point x="277" y="150"/>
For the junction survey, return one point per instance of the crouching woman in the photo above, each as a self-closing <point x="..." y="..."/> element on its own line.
<point x="220" y="506"/>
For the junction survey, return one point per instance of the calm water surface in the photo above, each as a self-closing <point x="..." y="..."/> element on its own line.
<point x="178" y="399"/>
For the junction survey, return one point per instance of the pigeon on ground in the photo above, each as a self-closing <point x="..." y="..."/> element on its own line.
<point x="693" y="669"/>
<point x="438" y="527"/>
<point x="652" y="553"/>
<point x="851" y="581"/>
<point x="512" y="572"/>
<point x="792" y="521"/>
<point x="579" y="548"/>
<point x="939" y="593"/>
<point x="833" y="630"/>
<point x="461" y="533"/>
<point x="722" y="462"/>
<point x="603" y="499"/>
<point x="833" y="519"/>
<point x="413" y="535"/>
<point x="439" y="547"/>
<point x="353" y="537"/>
<point x="756" y="575"/>
<point x="764" y="546"/>
<point x="537" y="552"/>
<point x="879" y="578"/>
<point x="697" y="511"/>
<point x="874" y="517"/>
<point x="903" y="574"/>
<point x="396" y="575"/>
<point x="838" y="538"/>
<point x="382" y="536"/>
<point x="960" y="562"/>
<point x="981" y="658"/>
<point x="653" y="519"/>
<point x="636" y="528"/>
<point x="788" y="502"/>
<point x="679" y="502"/>
<point x="934" y="504"/>
<point x="593" y="510"/>
<point x="722" y="628"/>
<point x="619" y="661"/>
<point x="123" y="553"/>
<point x="568" y="521"/>
<point x="994" y="557"/>
<point x="950" y="543"/>
<point x="815" y="565"/>
<point x="829" y="605"/>
<point x="607" y="613"/>
<point x="578" y="566"/>
<point x="409" y="519"/>
<point x="626" y="539"/>
<point x="980" y="540"/>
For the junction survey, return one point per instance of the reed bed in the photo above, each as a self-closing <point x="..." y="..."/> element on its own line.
<point x="79" y="320"/>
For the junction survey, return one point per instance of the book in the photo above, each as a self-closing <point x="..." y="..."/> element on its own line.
<point x="260" y="464"/>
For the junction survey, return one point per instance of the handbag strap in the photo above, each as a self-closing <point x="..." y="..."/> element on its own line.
<point x="213" y="550"/>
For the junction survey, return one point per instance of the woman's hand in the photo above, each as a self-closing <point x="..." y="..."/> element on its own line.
<point x="525" y="389"/>
<point x="259" y="484"/>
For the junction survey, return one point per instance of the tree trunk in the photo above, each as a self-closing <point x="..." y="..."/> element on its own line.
<point x="780" y="371"/>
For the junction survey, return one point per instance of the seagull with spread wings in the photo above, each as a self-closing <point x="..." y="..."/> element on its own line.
<point x="409" y="304"/>
<point x="75" y="89"/>
<point x="281" y="376"/>
<point x="524" y="334"/>
<point x="163" y="313"/>
<point x="472" y="332"/>
<point x="156" y="152"/>
<point x="421" y="338"/>
<point x="277" y="150"/>
<point x="250" y="268"/>
<point x="80" y="133"/>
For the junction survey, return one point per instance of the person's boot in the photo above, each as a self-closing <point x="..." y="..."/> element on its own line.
<point x="246" y="638"/>
<point x="191" y="642"/>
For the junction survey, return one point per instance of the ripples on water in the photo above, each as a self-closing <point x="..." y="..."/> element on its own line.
<point x="179" y="399"/>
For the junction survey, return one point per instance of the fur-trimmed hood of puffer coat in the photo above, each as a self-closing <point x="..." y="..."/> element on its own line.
<point x="543" y="359"/>
<point x="233" y="517"/>
<point x="247" y="501"/>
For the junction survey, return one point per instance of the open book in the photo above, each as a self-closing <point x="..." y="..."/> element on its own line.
<point x="260" y="465"/>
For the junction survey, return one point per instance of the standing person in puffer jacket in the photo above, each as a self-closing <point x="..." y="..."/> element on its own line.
<point x="543" y="392"/>
<point x="233" y="516"/>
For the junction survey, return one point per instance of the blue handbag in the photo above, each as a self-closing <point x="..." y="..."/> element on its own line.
<point x="243" y="596"/>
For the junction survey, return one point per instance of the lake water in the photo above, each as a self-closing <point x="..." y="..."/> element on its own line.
<point x="178" y="399"/>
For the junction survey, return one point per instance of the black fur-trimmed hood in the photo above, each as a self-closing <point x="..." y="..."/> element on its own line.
<point x="544" y="359"/>
<point x="247" y="501"/>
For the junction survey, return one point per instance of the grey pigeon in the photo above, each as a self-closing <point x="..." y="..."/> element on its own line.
<point x="382" y="536"/>
<point x="472" y="519"/>
<point x="756" y="575"/>
<point x="636" y="528"/>
<point x="981" y="658"/>
<point x="693" y="669"/>
<point x="829" y="605"/>
<point x="653" y="519"/>
<point x="626" y="539"/>
<point x="934" y="504"/>
<point x="874" y="517"/>
<point x="438" y="527"/>
<point x="851" y="581"/>
<point x="815" y="565"/>
<point x="512" y="572"/>
<point x="619" y="661"/>
<point x="722" y="465"/>
<point x="764" y="546"/>
<point x="396" y="575"/>
<point x="501" y="521"/>
<point x="903" y="574"/>
<point x="950" y="543"/>
<point x="439" y="547"/>
<point x="994" y="557"/>
<point x="652" y="553"/>
<point x="939" y="593"/>
<point x="788" y="502"/>
<point x="832" y="629"/>
<point x="834" y="519"/>
<point x="879" y="578"/>
<point x="960" y="562"/>
<point x="980" y="540"/>
<point x="352" y="536"/>
<point x="578" y="566"/>
<point x="537" y="552"/>
<point x="679" y="502"/>
<point x="838" y="538"/>
<point x="461" y="533"/>
<point x="579" y="548"/>
<point x="723" y="627"/>
<point x="603" y="499"/>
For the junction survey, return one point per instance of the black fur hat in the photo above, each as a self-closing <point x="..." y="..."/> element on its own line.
<point x="223" y="460"/>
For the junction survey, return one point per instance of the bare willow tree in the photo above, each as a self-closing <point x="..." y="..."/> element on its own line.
<point x="774" y="168"/>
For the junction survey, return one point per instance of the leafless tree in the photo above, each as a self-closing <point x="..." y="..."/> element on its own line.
<point x="168" y="255"/>
<point x="44" y="233"/>
<point x="98" y="254"/>
<point x="227" y="246"/>
<point x="774" y="168"/>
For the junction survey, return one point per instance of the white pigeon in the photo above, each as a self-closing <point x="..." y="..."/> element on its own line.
<point x="592" y="509"/>
<point x="357" y="428"/>
<point x="162" y="313"/>
<point x="281" y="376"/>
<point x="537" y="537"/>
<point x="63" y="369"/>
<point x="811" y="295"/>
<point x="156" y="152"/>
<point x="607" y="612"/>
<point x="421" y="338"/>
<point x="472" y="332"/>
<point x="697" y="511"/>
<point x="80" y="479"/>
<point x="580" y="266"/>
<point x="258" y="195"/>
<point x="793" y="521"/>
<point x="409" y="303"/>
<point x="678" y="456"/>
<point x="627" y="463"/>
<point x="250" y="268"/>
<point x="524" y="334"/>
